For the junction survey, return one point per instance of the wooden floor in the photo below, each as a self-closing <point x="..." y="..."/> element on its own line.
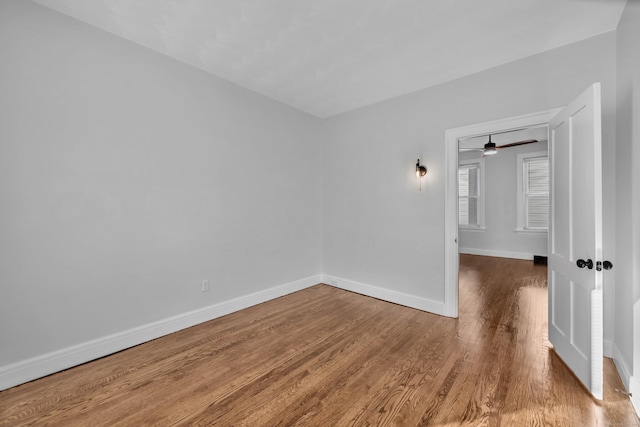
<point x="327" y="357"/>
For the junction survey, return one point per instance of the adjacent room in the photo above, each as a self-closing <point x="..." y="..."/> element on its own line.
<point x="503" y="204"/>
<point x="212" y="212"/>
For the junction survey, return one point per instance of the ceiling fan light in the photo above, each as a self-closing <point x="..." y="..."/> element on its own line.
<point x="490" y="149"/>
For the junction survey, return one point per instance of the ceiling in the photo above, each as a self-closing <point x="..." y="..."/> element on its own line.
<point x="326" y="57"/>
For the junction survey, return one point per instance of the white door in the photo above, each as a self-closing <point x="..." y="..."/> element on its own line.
<point x="575" y="238"/>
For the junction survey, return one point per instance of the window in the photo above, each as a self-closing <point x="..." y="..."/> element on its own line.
<point x="533" y="192"/>
<point x="470" y="194"/>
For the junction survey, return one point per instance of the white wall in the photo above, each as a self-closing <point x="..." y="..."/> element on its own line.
<point x="379" y="230"/>
<point x="627" y="263"/>
<point x="501" y="209"/>
<point x="127" y="177"/>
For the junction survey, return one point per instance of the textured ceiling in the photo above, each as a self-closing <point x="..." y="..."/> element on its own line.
<point x="330" y="56"/>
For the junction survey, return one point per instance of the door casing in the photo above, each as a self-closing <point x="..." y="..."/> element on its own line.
<point x="451" y="189"/>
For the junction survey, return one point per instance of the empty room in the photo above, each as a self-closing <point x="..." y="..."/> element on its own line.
<point x="319" y="212"/>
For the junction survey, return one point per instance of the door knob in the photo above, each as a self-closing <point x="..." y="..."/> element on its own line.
<point x="607" y="265"/>
<point x="582" y="264"/>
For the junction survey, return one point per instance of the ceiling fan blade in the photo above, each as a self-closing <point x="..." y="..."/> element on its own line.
<point x="470" y="149"/>
<point x="515" y="144"/>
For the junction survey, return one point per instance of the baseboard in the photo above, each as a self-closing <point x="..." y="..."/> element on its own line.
<point x="498" y="253"/>
<point x="608" y="348"/>
<point x="424" y="304"/>
<point x="634" y="380"/>
<point x="622" y="366"/>
<point x="634" y="390"/>
<point x="46" y="364"/>
<point x="631" y="383"/>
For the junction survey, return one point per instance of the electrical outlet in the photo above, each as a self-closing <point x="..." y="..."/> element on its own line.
<point x="205" y="286"/>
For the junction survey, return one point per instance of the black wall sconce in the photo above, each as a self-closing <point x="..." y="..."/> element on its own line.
<point x="421" y="170"/>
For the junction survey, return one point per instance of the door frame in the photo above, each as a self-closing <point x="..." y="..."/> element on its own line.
<point x="451" y="264"/>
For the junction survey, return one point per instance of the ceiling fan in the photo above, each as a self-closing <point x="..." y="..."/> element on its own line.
<point x="490" y="148"/>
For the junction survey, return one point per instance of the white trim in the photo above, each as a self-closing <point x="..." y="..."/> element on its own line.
<point x="451" y="257"/>
<point x="408" y="300"/>
<point x="46" y="364"/>
<point x="530" y="231"/>
<point x="451" y="186"/>
<point x="634" y="380"/>
<point x="634" y="390"/>
<point x="473" y="229"/>
<point x="608" y="348"/>
<point x="499" y="253"/>
<point x="623" y="367"/>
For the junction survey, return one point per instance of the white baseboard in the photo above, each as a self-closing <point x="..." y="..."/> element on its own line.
<point x="634" y="389"/>
<point x="424" y="304"/>
<point x="498" y="253"/>
<point x="631" y="383"/>
<point x="46" y="364"/>
<point x="608" y="348"/>
<point x="622" y="366"/>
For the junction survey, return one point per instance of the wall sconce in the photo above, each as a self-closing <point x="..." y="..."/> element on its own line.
<point x="421" y="171"/>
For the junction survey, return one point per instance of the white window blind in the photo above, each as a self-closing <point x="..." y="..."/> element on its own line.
<point x="468" y="194"/>
<point x="536" y="192"/>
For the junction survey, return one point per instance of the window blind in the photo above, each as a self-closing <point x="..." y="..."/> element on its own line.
<point x="536" y="172"/>
<point x="468" y="192"/>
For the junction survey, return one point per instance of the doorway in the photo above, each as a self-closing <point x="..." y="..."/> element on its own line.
<point x="503" y="198"/>
<point x="575" y="229"/>
<point x="452" y="138"/>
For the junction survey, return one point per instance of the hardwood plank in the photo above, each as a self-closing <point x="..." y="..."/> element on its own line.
<point x="328" y="357"/>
